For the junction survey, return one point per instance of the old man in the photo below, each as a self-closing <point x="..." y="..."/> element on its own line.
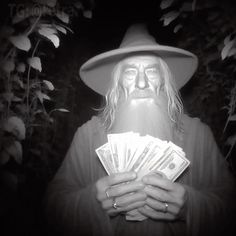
<point x="140" y="82"/>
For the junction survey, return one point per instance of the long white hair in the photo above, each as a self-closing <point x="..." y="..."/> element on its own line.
<point x="175" y="106"/>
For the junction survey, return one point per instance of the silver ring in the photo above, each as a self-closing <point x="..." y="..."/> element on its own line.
<point x="166" y="207"/>
<point x="114" y="204"/>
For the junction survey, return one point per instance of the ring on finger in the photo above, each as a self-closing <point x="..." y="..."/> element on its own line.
<point x="114" y="204"/>
<point x="166" y="207"/>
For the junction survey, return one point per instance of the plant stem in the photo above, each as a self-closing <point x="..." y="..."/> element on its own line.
<point x="230" y="150"/>
<point x="9" y="54"/>
<point x="8" y="91"/>
<point x="28" y="84"/>
<point x="33" y="25"/>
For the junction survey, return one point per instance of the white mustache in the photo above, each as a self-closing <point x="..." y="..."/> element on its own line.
<point x="138" y="93"/>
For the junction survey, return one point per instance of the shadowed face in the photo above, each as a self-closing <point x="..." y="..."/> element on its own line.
<point x="141" y="78"/>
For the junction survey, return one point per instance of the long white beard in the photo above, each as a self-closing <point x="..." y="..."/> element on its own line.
<point x="145" y="116"/>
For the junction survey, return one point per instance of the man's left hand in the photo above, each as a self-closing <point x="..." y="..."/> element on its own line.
<point x="165" y="200"/>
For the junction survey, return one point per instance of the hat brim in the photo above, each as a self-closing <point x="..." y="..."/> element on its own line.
<point x="96" y="72"/>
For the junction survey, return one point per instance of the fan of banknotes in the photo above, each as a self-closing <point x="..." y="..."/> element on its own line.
<point x="143" y="154"/>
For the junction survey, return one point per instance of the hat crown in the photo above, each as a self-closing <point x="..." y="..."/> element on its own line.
<point x="137" y="35"/>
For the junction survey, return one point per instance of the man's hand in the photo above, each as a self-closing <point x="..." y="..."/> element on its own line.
<point x="120" y="189"/>
<point x="165" y="200"/>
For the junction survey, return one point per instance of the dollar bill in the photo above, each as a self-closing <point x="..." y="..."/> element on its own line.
<point x="105" y="156"/>
<point x="113" y="143"/>
<point x="142" y="154"/>
<point x="173" y="165"/>
<point x="142" y="148"/>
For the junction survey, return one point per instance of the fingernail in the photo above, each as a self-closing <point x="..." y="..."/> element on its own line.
<point x="159" y="174"/>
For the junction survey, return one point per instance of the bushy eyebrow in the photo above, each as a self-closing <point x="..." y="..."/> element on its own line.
<point x="134" y="65"/>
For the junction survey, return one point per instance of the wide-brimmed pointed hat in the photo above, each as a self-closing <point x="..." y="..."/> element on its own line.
<point x="97" y="71"/>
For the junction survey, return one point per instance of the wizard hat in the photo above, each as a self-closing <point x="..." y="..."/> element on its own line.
<point x="96" y="73"/>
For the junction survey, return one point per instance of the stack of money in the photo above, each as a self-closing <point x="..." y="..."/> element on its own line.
<point x="143" y="154"/>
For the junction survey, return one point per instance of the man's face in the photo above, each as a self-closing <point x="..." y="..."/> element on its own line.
<point x="141" y="78"/>
<point x="143" y="104"/>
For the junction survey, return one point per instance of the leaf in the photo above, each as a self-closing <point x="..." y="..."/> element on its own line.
<point x="232" y="118"/>
<point x="49" y="85"/>
<point x="54" y="39"/>
<point x="41" y="96"/>
<point x="62" y="16"/>
<point x="88" y="14"/>
<point x="51" y="3"/>
<point x="18" y="81"/>
<point x="177" y="28"/>
<point x="227" y="39"/>
<point x="46" y="31"/>
<point x="16" y="99"/>
<point x="166" y="3"/>
<point x="21" y="42"/>
<point x="78" y="5"/>
<point x="231" y="140"/>
<point x="15" y="150"/>
<point x="38" y="112"/>
<point x="169" y="17"/>
<point x="21" y="67"/>
<point x="62" y="110"/>
<point x="226" y="49"/>
<point x="15" y="126"/>
<point x="232" y="52"/>
<point x="49" y="33"/>
<point x="35" y="62"/>
<point x="69" y="29"/>
<point x="61" y="29"/>
<point x="8" y="66"/>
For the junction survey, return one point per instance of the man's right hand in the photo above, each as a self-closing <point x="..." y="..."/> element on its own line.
<point x="120" y="193"/>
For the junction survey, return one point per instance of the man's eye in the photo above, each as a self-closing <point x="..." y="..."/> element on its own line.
<point x="130" y="72"/>
<point x="151" y="72"/>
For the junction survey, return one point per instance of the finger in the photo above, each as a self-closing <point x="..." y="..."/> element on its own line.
<point x="124" y="200"/>
<point x="159" y="194"/>
<point x="103" y="184"/>
<point x="156" y="215"/>
<point x="160" y="206"/>
<point x="119" y="178"/>
<point x="126" y="188"/>
<point x="156" y="205"/>
<point x="156" y="180"/>
<point x="125" y="209"/>
<point x="128" y="199"/>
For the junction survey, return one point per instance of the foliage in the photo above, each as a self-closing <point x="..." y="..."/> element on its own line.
<point x="26" y="106"/>
<point x="217" y="52"/>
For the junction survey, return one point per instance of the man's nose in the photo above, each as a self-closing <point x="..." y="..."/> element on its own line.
<point x="141" y="81"/>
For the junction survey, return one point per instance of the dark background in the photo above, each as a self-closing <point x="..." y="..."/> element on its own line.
<point x="21" y="206"/>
